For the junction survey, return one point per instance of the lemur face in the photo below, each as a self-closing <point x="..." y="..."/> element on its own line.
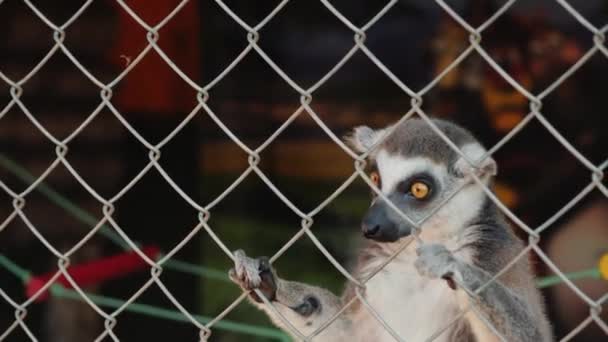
<point x="413" y="185"/>
<point x="417" y="171"/>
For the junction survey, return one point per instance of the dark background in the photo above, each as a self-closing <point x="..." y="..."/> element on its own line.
<point x="535" y="42"/>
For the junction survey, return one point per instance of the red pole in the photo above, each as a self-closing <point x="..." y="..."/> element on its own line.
<point x="94" y="272"/>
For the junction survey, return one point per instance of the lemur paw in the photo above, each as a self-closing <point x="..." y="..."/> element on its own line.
<point x="435" y="261"/>
<point x="251" y="274"/>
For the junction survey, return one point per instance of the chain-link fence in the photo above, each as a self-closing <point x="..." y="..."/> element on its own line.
<point x="156" y="263"/>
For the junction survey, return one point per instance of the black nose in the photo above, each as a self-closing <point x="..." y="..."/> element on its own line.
<point x="370" y="230"/>
<point x="377" y="224"/>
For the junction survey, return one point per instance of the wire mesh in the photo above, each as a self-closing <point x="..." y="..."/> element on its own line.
<point x="203" y="91"/>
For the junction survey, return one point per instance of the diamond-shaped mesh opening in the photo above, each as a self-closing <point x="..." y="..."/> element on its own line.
<point x="291" y="159"/>
<point x="25" y="148"/>
<point x="147" y="187"/>
<point x="162" y="91"/>
<point x="66" y="229"/>
<point x="22" y="53"/>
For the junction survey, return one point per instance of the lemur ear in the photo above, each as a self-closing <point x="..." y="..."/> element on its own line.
<point x="362" y="138"/>
<point x="474" y="152"/>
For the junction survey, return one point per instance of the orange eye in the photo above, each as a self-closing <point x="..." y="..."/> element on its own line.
<point x="375" y="177"/>
<point x="419" y="190"/>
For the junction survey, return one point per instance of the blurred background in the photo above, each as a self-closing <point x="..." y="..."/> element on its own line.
<point x="535" y="42"/>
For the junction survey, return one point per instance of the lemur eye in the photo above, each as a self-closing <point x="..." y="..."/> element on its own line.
<point x="375" y="177"/>
<point x="419" y="190"/>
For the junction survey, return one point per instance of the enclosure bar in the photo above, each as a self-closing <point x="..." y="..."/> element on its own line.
<point x="145" y="309"/>
<point x="183" y="266"/>
<point x="154" y="311"/>
<point x="15" y="269"/>
<point x="60" y="200"/>
<point x="85" y="217"/>
<point x="554" y="280"/>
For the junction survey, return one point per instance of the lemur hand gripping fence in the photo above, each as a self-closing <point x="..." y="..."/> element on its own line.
<point x="69" y="275"/>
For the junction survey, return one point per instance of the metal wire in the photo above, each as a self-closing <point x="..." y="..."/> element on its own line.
<point x="252" y="34"/>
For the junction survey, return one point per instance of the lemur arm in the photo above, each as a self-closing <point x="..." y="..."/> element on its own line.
<point x="507" y="311"/>
<point x="305" y="306"/>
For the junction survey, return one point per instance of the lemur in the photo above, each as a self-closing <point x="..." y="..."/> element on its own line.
<point x="465" y="243"/>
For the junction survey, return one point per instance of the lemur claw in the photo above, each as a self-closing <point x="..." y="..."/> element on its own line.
<point x="253" y="274"/>
<point x="435" y="261"/>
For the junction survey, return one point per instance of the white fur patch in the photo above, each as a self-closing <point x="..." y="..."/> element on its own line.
<point x="414" y="306"/>
<point x="474" y="152"/>
<point x="363" y="138"/>
<point x="394" y="168"/>
<point x="454" y="214"/>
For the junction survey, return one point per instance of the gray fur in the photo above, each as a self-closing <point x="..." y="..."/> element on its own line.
<point x="414" y="138"/>
<point x="411" y="293"/>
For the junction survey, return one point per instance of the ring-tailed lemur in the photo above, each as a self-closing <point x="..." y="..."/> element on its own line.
<point x="466" y="242"/>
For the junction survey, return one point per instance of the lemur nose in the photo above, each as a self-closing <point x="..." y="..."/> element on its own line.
<point x="370" y="230"/>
